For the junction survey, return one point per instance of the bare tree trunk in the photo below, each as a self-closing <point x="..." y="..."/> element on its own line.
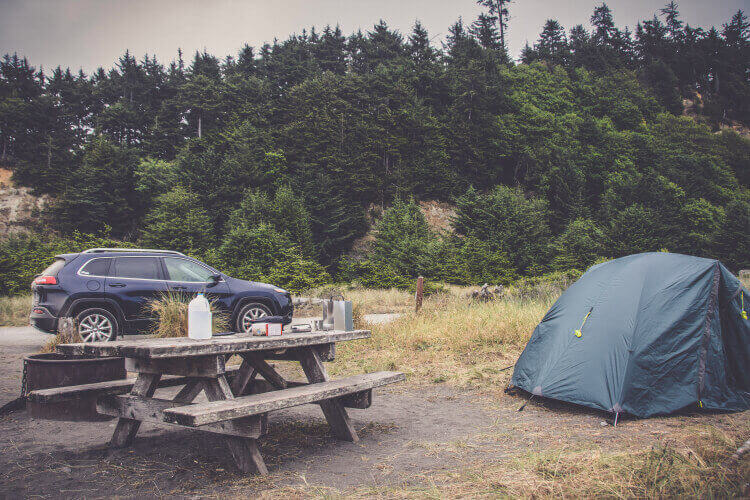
<point x="501" y="23"/>
<point x="200" y="126"/>
<point x="49" y="153"/>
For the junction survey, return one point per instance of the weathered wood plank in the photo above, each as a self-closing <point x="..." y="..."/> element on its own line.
<point x="244" y="450"/>
<point x="145" y="386"/>
<point x="360" y="400"/>
<point x="268" y="372"/>
<point x="150" y="410"/>
<point x="327" y="352"/>
<point x="179" y="347"/>
<point x="84" y="391"/>
<point x="192" y="366"/>
<point x="334" y="411"/>
<point x="205" y="413"/>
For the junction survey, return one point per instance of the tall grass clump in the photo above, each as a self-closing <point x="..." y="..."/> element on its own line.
<point x="171" y="313"/>
<point x="14" y="311"/>
<point x="451" y="339"/>
<point x="67" y="333"/>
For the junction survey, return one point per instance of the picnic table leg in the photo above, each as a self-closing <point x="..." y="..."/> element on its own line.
<point x="261" y="366"/>
<point x="244" y="450"/>
<point x="144" y="386"/>
<point x="244" y="377"/>
<point x="333" y="409"/>
<point x="189" y="392"/>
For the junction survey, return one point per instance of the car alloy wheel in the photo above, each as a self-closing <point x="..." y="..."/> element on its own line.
<point x="255" y="312"/>
<point x="95" y="328"/>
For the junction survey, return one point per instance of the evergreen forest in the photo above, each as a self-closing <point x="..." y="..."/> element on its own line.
<point x="597" y="141"/>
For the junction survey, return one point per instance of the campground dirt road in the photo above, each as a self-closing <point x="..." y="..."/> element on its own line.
<point x="410" y="433"/>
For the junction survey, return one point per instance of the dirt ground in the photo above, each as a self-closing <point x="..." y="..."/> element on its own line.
<point x="408" y="434"/>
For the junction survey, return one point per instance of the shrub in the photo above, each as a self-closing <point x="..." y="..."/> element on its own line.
<point x="579" y="246"/>
<point x="178" y="222"/>
<point x="24" y="256"/>
<point x="297" y="275"/>
<point x="403" y="241"/>
<point x="284" y="212"/>
<point x="509" y="222"/>
<point x="470" y="261"/>
<point x="544" y="286"/>
<point x="369" y="274"/>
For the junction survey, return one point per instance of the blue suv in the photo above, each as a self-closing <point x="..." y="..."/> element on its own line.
<point x="107" y="290"/>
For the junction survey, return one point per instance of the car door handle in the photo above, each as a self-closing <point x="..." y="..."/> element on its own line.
<point x="179" y="288"/>
<point x="116" y="285"/>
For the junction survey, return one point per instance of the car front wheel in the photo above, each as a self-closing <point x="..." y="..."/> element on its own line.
<point x="97" y="325"/>
<point x="249" y="313"/>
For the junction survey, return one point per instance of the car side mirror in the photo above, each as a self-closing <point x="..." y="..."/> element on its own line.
<point x="213" y="280"/>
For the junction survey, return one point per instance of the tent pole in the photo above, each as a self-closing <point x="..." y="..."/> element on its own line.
<point x="527" y="402"/>
<point x="617" y="414"/>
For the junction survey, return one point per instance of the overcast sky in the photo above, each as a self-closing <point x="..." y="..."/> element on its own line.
<point x="91" y="33"/>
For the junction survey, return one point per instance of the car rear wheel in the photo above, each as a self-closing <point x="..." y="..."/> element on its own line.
<point x="97" y="325"/>
<point x="248" y="313"/>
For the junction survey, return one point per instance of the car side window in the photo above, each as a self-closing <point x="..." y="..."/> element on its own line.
<point x="96" y="267"/>
<point x="136" y="267"/>
<point x="186" y="270"/>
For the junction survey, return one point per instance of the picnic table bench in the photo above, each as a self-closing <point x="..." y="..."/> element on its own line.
<point x="238" y="401"/>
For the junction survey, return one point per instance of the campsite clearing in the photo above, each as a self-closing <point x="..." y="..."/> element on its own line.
<point x="416" y="439"/>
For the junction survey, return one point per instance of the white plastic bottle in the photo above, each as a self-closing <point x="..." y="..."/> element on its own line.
<point x="199" y="318"/>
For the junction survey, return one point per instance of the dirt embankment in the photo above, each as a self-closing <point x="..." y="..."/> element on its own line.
<point x="17" y="206"/>
<point x="437" y="213"/>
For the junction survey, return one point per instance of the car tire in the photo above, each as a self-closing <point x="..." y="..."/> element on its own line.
<point x="249" y="312"/>
<point x="97" y="325"/>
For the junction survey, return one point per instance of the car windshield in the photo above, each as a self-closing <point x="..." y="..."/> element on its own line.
<point x="187" y="270"/>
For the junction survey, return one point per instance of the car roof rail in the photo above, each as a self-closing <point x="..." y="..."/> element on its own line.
<point x="145" y="250"/>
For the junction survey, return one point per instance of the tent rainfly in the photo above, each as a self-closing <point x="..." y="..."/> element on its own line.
<point x="646" y="334"/>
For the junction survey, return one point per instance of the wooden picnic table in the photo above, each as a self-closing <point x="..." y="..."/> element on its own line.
<point x="237" y="406"/>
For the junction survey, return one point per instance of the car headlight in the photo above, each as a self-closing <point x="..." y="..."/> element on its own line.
<point x="279" y="290"/>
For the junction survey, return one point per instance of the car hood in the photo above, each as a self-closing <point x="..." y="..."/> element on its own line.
<point x="238" y="285"/>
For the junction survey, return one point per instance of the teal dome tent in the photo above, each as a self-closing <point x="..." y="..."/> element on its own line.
<point x="646" y="335"/>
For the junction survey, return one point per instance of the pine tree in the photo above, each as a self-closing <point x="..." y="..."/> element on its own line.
<point x="419" y="45"/>
<point x="499" y="10"/>
<point x="553" y="44"/>
<point x="485" y="32"/>
<point x="672" y="16"/>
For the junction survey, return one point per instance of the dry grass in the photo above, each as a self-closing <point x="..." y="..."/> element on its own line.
<point x="14" y="311"/>
<point x="694" y="464"/>
<point x="171" y="311"/>
<point x="450" y="340"/>
<point x="697" y="467"/>
<point x="367" y="300"/>
<point x="67" y="333"/>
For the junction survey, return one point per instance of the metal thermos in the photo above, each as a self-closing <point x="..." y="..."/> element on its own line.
<point x="328" y="314"/>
